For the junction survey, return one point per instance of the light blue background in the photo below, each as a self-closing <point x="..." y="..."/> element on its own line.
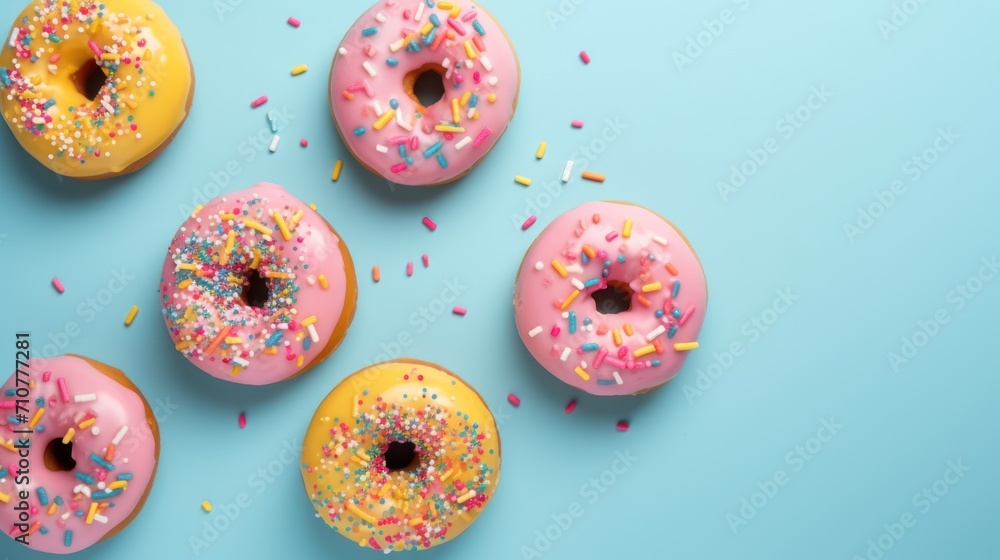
<point x="698" y="455"/>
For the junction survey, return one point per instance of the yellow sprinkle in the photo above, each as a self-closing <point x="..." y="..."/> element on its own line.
<point x="233" y="340"/>
<point x="270" y="274"/>
<point x="37" y="417"/>
<point x="628" y="329"/>
<point x="295" y="219"/>
<point x="466" y="497"/>
<point x="53" y="507"/>
<point x="648" y="349"/>
<point x="110" y="56"/>
<point x="206" y="505"/>
<point x="445" y="5"/>
<point x="69" y="435"/>
<point x="257" y="226"/>
<point x="300" y="69"/>
<point x="569" y="300"/>
<point x="272" y="350"/>
<point x="384" y="490"/>
<point x="455" y="11"/>
<point x="465" y="97"/>
<point x="117" y="484"/>
<point x="87" y="423"/>
<point x="384" y="119"/>
<point x="336" y="170"/>
<point x="256" y="259"/>
<point x="456" y="113"/>
<point x="448" y="128"/>
<point x="237" y="369"/>
<point x="685" y="346"/>
<point x="227" y="216"/>
<point x="447" y="474"/>
<point x="300" y="360"/>
<point x="322" y="281"/>
<point x="523" y="180"/>
<point x="230" y="240"/>
<point x="8" y="445"/>
<point x="491" y="97"/>
<point x="434" y="510"/>
<point x="186" y="266"/>
<point x="308" y="321"/>
<point x="475" y="114"/>
<point x="541" y="150"/>
<point x="582" y="373"/>
<point x="196" y="210"/>
<point x="412" y="523"/>
<point x="184" y="284"/>
<point x="357" y="511"/>
<point x="91" y="513"/>
<point x="559" y="268"/>
<point x="183" y="345"/>
<point x="618" y="337"/>
<point x="469" y="50"/>
<point x="282" y="227"/>
<point x="652" y="287"/>
<point x="131" y="315"/>
<point x="427" y="28"/>
<point x="132" y="105"/>
<point x="627" y="230"/>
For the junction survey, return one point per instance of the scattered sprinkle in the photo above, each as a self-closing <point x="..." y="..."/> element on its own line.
<point x="376" y="274"/>
<point x="459" y="310"/>
<point x="623" y="426"/>
<point x="207" y="506"/>
<point x="409" y="268"/>
<point x="426" y="260"/>
<point x="274" y="143"/>
<point x="513" y="399"/>
<point x="585" y="57"/>
<point x="429" y="223"/>
<point x="243" y="420"/>
<point x="522" y="180"/>
<point x="685" y="346"/>
<point x="294" y="22"/>
<point x="337" y="167"/>
<point x="131" y="315"/>
<point x="591" y="176"/>
<point x="540" y="153"/>
<point x="300" y="69"/>
<point x="58" y="285"/>
<point x="567" y="170"/>
<point x="577" y="124"/>
<point x="304" y="143"/>
<point x="529" y="222"/>
<point x="571" y="406"/>
<point x="258" y="102"/>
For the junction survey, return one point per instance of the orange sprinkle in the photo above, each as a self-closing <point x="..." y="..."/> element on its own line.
<point x="218" y="340"/>
<point x="643" y="300"/>
<point x="376" y="274"/>
<point x="111" y="452"/>
<point x="348" y="95"/>
<point x="591" y="176"/>
<point x="671" y="269"/>
<point x="628" y="329"/>
<point x="589" y="251"/>
<point x="658" y="345"/>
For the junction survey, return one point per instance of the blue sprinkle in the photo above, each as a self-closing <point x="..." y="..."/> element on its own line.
<point x="605" y="381"/>
<point x="40" y="402"/>
<point x="104" y="494"/>
<point x="3" y="473"/>
<point x="605" y="273"/>
<point x="101" y="462"/>
<point x="414" y="46"/>
<point x="478" y="27"/>
<point x="10" y="392"/>
<point x="572" y="322"/>
<point x="391" y="61"/>
<point x="409" y="160"/>
<point x="43" y="496"/>
<point x="442" y="161"/>
<point x="676" y="313"/>
<point x="86" y="478"/>
<point x="359" y="131"/>
<point x="433" y="149"/>
<point x="591" y="282"/>
<point x="369" y="31"/>
<point x="44" y="530"/>
<point x="607" y="263"/>
<point x="590" y="347"/>
<point x="402" y="151"/>
<point x="49" y="103"/>
<point x="434" y="19"/>
<point x="430" y="36"/>
<point x="306" y="343"/>
<point x="273" y="339"/>
<point x="4" y="77"/>
<point x="659" y="313"/>
<point x="125" y="476"/>
<point x="677" y="288"/>
<point x="587" y="321"/>
<point x="58" y="500"/>
<point x="78" y="513"/>
<point x="583" y="258"/>
<point x="621" y="258"/>
<point x="13" y="420"/>
<point x="672" y="331"/>
<point x="68" y="539"/>
<point x="474" y="100"/>
<point x="656" y="363"/>
<point x="393" y="103"/>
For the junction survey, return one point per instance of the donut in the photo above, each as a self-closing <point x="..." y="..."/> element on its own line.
<point x="610" y="299"/>
<point x="94" y="88"/>
<point x="79" y="451"/>
<point x="421" y="92"/>
<point x="257" y="287"/>
<point x="401" y="455"/>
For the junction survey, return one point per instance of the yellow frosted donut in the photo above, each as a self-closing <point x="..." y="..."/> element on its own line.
<point x="402" y="455"/>
<point x="94" y="88"/>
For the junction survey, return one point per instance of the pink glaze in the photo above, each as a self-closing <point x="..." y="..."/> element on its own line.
<point x="221" y="333"/>
<point x="134" y="456"/>
<point x="493" y="71"/>
<point x="541" y="291"/>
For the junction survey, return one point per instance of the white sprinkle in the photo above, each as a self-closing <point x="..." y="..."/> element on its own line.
<point x="660" y="240"/>
<point x="77" y="489"/>
<point x="539" y="265"/>
<point x="535" y="331"/>
<point x="472" y="111"/>
<point x="342" y="51"/>
<point x="313" y="335"/>
<point x="486" y="63"/>
<point x="107" y="105"/>
<point x="618" y="378"/>
<point x="565" y="354"/>
<point x="576" y="283"/>
<point x="121" y="433"/>
<point x="13" y="36"/>
<point x="381" y="18"/>
<point x="463" y="142"/>
<point x="85" y="491"/>
<point x="574" y="268"/>
<point x="469" y="64"/>
<point x="381" y="148"/>
<point x="66" y="515"/>
<point x="565" y="314"/>
<point x="583" y="364"/>
<point x="100" y="518"/>
<point x="240" y="362"/>
<point x="401" y="121"/>
<point x="378" y="108"/>
<point x="567" y="170"/>
<point x="420" y="10"/>
<point x="493" y="80"/>
<point x="274" y="143"/>
<point x="85" y="398"/>
<point x="446" y="62"/>
<point x="655" y="333"/>
<point x="369" y="68"/>
<point x="397" y="45"/>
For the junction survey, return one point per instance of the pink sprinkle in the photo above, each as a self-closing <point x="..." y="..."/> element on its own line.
<point x="571" y="406"/>
<point x="93" y="46"/>
<point x="294" y="22"/>
<point x="601" y="354"/>
<point x="622" y="426"/>
<point x="459" y="310"/>
<point x="243" y="416"/>
<point x="406" y="14"/>
<point x="687" y="315"/>
<point x="409" y="268"/>
<point x="58" y="285"/>
<point x="512" y="399"/>
<point x="482" y="137"/>
<point x="46" y="376"/>
<point x="611" y="236"/>
<point x="577" y="124"/>
<point x="398" y="168"/>
<point x="469" y="16"/>
<point x="430" y="223"/>
<point x="555" y="330"/>
<point x="397" y="140"/>
<point x="258" y="102"/>
<point x="63" y="391"/>
<point x="7" y="404"/>
<point x="529" y="222"/>
<point x="426" y="260"/>
<point x="304" y="143"/>
<point x="457" y="26"/>
<point x="585" y="57"/>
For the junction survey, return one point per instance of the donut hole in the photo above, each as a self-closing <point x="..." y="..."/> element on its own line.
<point x="614" y="299"/>
<point x="400" y="456"/>
<point x="425" y="85"/>
<point x="58" y="456"/>
<point x="89" y="80"/>
<point x="256" y="292"/>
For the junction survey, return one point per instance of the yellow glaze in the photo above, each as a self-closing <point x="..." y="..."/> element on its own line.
<point x="433" y="499"/>
<point x="54" y="44"/>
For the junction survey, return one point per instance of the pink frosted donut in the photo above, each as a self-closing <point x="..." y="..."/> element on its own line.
<point x="610" y="298"/>
<point x="257" y="287"/>
<point x="399" y="46"/>
<point x="80" y="446"/>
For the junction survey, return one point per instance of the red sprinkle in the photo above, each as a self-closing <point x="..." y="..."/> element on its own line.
<point x="243" y="420"/>
<point x="585" y="57"/>
<point x="259" y="101"/>
<point x="430" y="223"/>
<point x="459" y="310"/>
<point x="304" y="143"/>
<point x="623" y="426"/>
<point x="426" y="260"/>
<point x="58" y="285"/>
<point x="409" y="268"/>
<point x="294" y="22"/>
<point x="512" y="399"/>
<point x="571" y="406"/>
<point x="529" y="222"/>
<point x="577" y="124"/>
